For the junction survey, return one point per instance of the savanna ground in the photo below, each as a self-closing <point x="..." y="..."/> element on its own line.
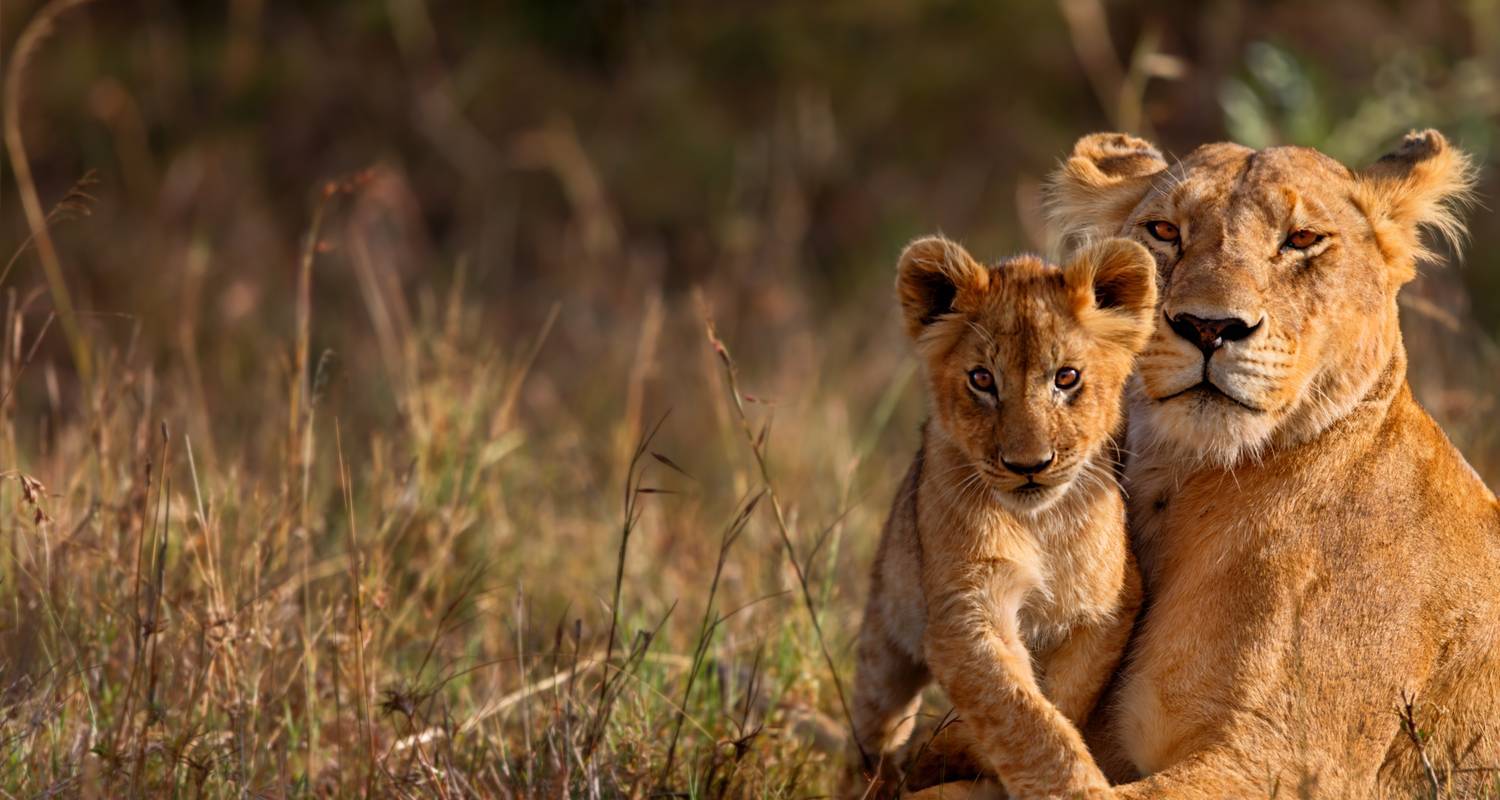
<point x="360" y="425"/>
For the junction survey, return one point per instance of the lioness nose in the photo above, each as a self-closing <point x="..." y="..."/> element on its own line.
<point x="1210" y="334"/>
<point x="1029" y="469"/>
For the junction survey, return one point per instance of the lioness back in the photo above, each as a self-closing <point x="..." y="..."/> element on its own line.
<point x="1006" y="546"/>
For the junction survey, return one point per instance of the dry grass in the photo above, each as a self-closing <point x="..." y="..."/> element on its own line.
<point x="421" y="618"/>
<point x="430" y="607"/>
<point x="414" y="599"/>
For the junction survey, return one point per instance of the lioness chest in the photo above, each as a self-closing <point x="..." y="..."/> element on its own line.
<point x="1215" y="580"/>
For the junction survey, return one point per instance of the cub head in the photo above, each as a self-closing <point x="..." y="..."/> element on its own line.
<point x="1278" y="271"/>
<point x="1025" y="360"/>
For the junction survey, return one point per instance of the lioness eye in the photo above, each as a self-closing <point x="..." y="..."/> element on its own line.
<point x="1163" y="231"/>
<point x="982" y="380"/>
<point x="1302" y="239"/>
<point x="1066" y="378"/>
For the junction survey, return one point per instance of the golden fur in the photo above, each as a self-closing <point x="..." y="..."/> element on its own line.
<point x="1317" y="557"/>
<point x="1013" y="587"/>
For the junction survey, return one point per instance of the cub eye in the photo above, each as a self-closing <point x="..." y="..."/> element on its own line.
<point x="1302" y="239"/>
<point x="982" y="380"/>
<point x="1066" y="378"/>
<point x="1163" y="231"/>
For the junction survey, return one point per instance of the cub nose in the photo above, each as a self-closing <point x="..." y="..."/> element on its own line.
<point x="1209" y="335"/>
<point x="1029" y="469"/>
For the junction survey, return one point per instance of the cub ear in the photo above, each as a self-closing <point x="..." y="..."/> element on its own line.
<point x="1091" y="193"/>
<point x="1112" y="284"/>
<point x="933" y="275"/>
<point x="1423" y="183"/>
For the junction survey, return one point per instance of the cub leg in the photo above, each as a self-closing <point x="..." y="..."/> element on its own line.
<point x="1108" y="751"/>
<point x="887" y="693"/>
<point x="941" y="751"/>
<point x="974" y="649"/>
<point x="974" y="789"/>
<point x="1075" y="677"/>
<point x="1078" y="670"/>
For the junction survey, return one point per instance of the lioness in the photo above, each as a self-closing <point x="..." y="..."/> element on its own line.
<point x="1318" y="558"/>
<point x="1004" y="569"/>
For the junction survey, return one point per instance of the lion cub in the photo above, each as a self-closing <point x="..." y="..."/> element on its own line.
<point x="1003" y="570"/>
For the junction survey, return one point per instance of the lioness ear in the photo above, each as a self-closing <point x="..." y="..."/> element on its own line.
<point x="1091" y="193"/>
<point x="934" y="274"/>
<point x="1424" y="183"/>
<point x="1112" y="284"/>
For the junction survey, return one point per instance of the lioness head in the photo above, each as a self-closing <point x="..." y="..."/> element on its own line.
<point x="1026" y="361"/>
<point x="1278" y="271"/>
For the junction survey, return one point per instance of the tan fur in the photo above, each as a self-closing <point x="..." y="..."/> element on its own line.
<point x="1316" y="554"/>
<point x="1017" y="600"/>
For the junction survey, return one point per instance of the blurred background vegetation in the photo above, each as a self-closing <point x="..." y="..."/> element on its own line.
<point x="601" y="154"/>
<point x="534" y="206"/>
